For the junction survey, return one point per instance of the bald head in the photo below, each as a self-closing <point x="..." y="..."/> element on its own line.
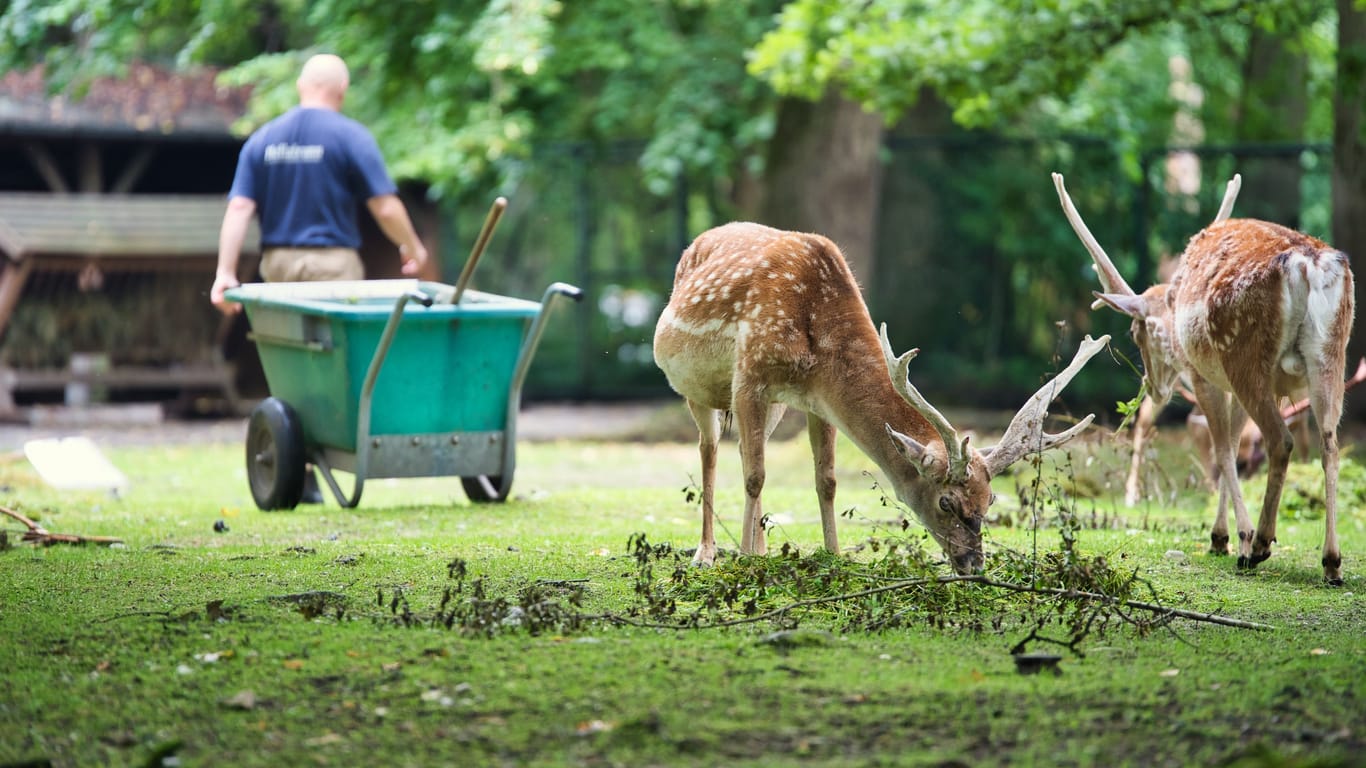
<point x="323" y="82"/>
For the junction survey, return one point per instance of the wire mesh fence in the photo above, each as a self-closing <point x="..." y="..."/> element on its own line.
<point x="974" y="263"/>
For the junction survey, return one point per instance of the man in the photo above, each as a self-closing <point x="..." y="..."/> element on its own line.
<point x="304" y="174"/>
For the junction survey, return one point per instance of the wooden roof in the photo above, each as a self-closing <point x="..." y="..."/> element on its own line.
<point x="122" y="227"/>
<point x="147" y="100"/>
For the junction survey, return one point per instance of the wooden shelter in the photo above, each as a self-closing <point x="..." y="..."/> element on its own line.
<point x="109" y="212"/>
<point x="110" y="243"/>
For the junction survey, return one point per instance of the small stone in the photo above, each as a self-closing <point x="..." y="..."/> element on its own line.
<point x="244" y="700"/>
<point x="1038" y="663"/>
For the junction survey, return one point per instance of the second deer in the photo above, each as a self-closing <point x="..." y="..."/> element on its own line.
<point x="1255" y="312"/>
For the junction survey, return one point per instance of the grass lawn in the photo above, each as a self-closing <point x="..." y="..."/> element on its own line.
<point x="281" y="640"/>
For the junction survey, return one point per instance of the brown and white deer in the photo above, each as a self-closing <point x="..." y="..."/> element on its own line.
<point x="1255" y="311"/>
<point x="761" y="320"/>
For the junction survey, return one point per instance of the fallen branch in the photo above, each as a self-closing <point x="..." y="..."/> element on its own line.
<point x="1161" y="611"/>
<point x="37" y="534"/>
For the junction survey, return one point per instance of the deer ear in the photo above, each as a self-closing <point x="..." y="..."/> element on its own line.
<point x="1129" y="304"/>
<point x="915" y="452"/>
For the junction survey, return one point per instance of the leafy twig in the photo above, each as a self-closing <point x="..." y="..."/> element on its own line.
<point x="1161" y="610"/>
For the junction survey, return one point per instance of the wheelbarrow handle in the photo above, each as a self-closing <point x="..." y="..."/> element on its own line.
<point x="530" y="340"/>
<point x="485" y="234"/>
<point x="563" y="289"/>
<point x="533" y="338"/>
<point x="424" y="299"/>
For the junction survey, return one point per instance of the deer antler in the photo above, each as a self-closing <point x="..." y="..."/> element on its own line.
<point x="1025" y="433"/>
<point x="1230" y="195"/>
<point x="1110" y="278"/>
<point x="898" y="367"/>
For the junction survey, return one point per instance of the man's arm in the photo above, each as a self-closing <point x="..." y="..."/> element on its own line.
<point x="231" y="236"/>
<point x="393" y="219"/>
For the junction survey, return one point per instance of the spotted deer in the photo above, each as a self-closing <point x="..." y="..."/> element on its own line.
<point x="761" y="320"/>
<point x="1255" y="311"/>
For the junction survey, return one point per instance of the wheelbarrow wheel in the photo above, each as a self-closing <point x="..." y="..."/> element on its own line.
<point x="275" y="455"/>
<point x="483" y="489"/>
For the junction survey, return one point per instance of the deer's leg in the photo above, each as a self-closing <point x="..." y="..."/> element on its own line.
<point x="1218" y="537"/>
<point x="1143" y="427"/>
<point x="1228" y="491"/>
<point x="1332" y="555"/>
<point x="775" y="416"/>
<point x="1325" y="400"/>
<point x="1219" y="412"/>
<point x="709" y="436"/>
<point x="752" y="418"/>
<point x="822" y="435"/>
<point x="1278" y="442"/>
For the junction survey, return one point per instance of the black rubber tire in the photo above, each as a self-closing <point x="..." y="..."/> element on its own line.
<point x="275" y="455"/>
<point x="478" y="494"/>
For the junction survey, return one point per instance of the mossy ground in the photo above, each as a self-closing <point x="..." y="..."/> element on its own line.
<point x="195" y="644"/>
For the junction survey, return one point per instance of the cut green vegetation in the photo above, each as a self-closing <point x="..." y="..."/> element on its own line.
<point x="566" y="627"/>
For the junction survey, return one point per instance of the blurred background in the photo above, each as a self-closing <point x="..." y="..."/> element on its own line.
<point x="919" y="136"/>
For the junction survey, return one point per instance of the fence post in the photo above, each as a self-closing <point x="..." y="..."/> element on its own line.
<point x="680" y="218"/>
<point x="583" y="264"/>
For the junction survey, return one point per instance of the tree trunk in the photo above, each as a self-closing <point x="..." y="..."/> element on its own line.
<point x="823" y="175"/>
<point x="1272" y="108"/>
<point x="1349" y="173"/>
<point x="917" y="291"/>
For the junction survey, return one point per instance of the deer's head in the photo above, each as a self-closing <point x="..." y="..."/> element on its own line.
<point x="952" y="487"/>
<point x="1153" y="325"/>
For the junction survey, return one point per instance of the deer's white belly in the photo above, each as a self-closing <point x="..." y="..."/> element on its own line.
<point x="698" y="358"/>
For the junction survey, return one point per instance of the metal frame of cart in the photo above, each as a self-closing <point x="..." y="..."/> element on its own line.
<point x="388" y="378"/>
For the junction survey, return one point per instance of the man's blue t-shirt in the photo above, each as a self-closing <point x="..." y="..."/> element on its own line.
<point x="307" y="170"/>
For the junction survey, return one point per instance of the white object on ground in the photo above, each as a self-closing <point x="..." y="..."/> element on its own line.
<point x="74" y="463"/>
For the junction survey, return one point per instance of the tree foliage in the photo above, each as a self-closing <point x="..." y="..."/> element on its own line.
<point x="1061" y="65"/>
<point x="458" y="92"/>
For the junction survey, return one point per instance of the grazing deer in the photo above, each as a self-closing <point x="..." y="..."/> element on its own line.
<point x="760" y="320"/>
<point x="1255" y="311"/>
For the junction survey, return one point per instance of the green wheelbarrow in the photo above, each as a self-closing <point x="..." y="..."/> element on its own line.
<point x="387" y="378"/>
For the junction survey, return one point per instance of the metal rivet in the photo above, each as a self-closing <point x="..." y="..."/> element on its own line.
<point x="375" y="443"/>
<point x="417" y="441"/>
<point x="455" y="439"/>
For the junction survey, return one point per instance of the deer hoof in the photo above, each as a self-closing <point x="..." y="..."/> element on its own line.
<point x="1332" y="571"/>
<point x="703" y="558"/>
<point x="1218" y="544"/>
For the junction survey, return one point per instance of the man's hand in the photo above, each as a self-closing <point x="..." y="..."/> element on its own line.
<point x="392" y="218"/>
<point x="230" y="237"/>
<point x="222" y="283"/>
<point x="414" y="258"/>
